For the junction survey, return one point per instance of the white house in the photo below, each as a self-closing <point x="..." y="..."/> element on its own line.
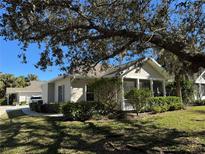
<point x="24" y="94"/>
<point x="200" y="83"/>
<point x="75" y="87"/>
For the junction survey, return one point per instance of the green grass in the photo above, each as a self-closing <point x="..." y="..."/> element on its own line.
<point x="170" y="132"/>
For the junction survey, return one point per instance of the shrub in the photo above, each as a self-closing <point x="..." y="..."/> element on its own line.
<point x="163" y="104"/>
<point x="22" y="103"/>
<point x="51" y="108"/>
<point x="33" y="106"/>
<point x="106" y="90"/>
<point x="81" y="110"/>
<point x="157" y="109"/>
<point x="198" y="102"/>
<point x="138" y="98"/>
<point x="3" y="101"/>
<point x="187" y="90"/>
<point x="45" y="108"/>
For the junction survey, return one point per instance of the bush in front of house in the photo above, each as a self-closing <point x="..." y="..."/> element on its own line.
<point x="51" y="108"/>
<point x="198" y="102"/>
<point x="81" y="111"/>
<point x="45" y="108"/>
<point x="138" y="98"/>
<point x="163" y="104"/>
<point x="22" y="103"/>
<point x="33" y="106"/>
<point x="3" y="101"/>
<point x="106" y="90"/>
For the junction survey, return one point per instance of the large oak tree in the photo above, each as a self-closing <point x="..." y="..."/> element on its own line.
<point x="84" y="33"/>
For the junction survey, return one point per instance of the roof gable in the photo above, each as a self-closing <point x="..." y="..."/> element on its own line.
<point x="147" y="68"/>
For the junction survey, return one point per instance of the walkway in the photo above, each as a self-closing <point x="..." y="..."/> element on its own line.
<point x="9" y="108"/>
<point x="27" y="111"/>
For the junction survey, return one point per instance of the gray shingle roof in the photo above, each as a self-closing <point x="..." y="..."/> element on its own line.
<point x="35" y="86"/>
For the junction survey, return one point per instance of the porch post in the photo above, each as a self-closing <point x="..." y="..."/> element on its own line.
<point x="200" y="91"/>
<point x="84" y="92"/>
<point x="138" y="83"/>
<point x="151" y="86"/>
<point x="122" y="95"/>
<point x="164" y="88"/>
<point x="70" y="89"/>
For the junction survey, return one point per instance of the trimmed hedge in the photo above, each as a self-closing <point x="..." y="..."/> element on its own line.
<point x="81" y="110"/>
<point x="51" y="108"/>
<point x="163" y="104"/>
<point x="45" y="108"/>
<point x="198" y="102"/>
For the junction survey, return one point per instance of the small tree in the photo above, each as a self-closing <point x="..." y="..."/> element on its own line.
<point x="138" y="98"/>
<point x="106" y="92"/>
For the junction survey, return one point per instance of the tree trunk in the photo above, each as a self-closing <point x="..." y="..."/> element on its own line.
<point x="178" y="86"/>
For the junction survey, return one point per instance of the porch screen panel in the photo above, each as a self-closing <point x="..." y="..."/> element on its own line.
<point x="203" y="89"/>
<point x="144" y="84"/>
<point x="129" y="85"/>
<point x="157" y="88"/>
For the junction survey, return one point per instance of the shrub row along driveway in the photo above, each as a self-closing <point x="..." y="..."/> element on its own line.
<point x="170" y="132"/>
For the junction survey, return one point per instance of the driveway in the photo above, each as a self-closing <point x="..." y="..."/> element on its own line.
<point x="5" y="109"/>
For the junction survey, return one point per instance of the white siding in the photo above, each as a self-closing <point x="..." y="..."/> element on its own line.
<point x="66" y="83"/>
<point x="45" y="92"/>
<point x="146" y="72"/>
<point x="78" y="89"/>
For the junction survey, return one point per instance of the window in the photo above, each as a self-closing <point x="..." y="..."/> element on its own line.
<point x="61" y="93"/>
<point x="145" y="84"/>
<point x="158" y="88"/>
<point x="89" y="94"/>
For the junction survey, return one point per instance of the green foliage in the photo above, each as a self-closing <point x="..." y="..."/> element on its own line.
<point x="32" y="77"/>
<point x="156" y="109"/>
<point x="187" y="89"/>
<point x="138" y="98"/>
<point x="33" y="106"/>
<point x="163" y="104"/>
<point x="80" y="111"/>
<point x="3" y="101"/>
<point x="51" y="108"/>
<point x="96" y="31"/>
<point x="106" y="91"/>
<point x="198" y="102"/>
<point x="45" y="108"/>
<point x="22" y="103"/>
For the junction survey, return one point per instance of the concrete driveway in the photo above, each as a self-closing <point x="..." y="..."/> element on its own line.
<point x="5" y="109"/>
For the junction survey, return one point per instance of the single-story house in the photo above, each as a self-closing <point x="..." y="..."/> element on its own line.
<point x="200" y="83"/>
<point x="146" y="73"/>
<point x="24" y="94"/>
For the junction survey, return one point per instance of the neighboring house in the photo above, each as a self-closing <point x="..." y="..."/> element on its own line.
<point x="200" y="89"/>
<point x="24" y="94"/>
<point x="75" y="87"/>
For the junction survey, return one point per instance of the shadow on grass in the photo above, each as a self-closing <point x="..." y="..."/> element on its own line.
<point x="198" y="111"/>
<point x="51" y="135"/>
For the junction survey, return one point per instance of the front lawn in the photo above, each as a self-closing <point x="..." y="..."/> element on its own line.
<point x="170" y="132"/>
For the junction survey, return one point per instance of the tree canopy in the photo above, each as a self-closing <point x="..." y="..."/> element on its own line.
<point x="32" y="77"/>
<point x="85" y="33"/>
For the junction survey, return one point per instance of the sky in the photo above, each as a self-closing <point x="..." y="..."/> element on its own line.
<point x="10" y="63"/>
